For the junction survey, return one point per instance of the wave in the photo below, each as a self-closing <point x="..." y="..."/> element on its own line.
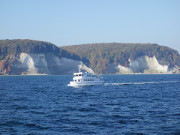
<point x="140" y="83"/>
<point x="34" y="125"/>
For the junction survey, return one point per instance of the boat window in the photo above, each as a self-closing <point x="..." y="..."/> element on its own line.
<point x="79" y="74"/>
<point x="78" y="80"/>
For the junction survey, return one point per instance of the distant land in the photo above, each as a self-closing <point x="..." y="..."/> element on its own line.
<point x="30" y="57"/>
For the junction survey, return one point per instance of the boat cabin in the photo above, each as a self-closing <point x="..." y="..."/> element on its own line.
<point x="86" y="77"/>
<point x="86" y="74"/>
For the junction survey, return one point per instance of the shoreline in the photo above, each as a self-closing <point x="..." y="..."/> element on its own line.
<point x="101" y="74"/>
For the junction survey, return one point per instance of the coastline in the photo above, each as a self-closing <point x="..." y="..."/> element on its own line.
<point x="101" y="74"/>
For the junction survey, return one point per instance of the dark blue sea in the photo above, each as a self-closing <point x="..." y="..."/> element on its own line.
<point x="125" y="105"/>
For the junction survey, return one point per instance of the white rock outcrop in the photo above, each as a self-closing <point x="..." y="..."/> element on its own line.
<point x="123" y="70"/>
<point x="35" y="64"/>
<point x="84" y="67"/>
<point x="146" y="65"/>
<point x="27" y="62"/>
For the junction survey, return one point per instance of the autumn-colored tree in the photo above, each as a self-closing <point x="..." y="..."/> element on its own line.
<point x="2" y="65"/>
<point x="9" y="69"/>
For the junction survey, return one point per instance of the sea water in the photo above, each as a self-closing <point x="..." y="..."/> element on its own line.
<point x="124" y="105"/>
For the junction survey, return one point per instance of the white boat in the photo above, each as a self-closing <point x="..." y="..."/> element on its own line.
<point x="85" y="79"/>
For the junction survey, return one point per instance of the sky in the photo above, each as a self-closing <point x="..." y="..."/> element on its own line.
<point x="71" y="22"/>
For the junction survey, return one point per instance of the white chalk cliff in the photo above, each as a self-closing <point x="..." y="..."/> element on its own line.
<point x="146" y="65"/>
<point x="33" y="64"/>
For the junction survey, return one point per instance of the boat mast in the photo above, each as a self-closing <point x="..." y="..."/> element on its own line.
<point x="80" y="67"/>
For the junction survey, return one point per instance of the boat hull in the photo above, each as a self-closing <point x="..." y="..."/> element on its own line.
<point x="76" y="84"/>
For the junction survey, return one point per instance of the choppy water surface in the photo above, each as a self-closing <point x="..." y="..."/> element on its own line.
<point x="126" y="104"/>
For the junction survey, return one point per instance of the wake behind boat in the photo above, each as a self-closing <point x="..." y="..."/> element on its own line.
<point x="85" y="79"/>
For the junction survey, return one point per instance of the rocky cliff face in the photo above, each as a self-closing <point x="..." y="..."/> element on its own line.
<point x="32" y="64"/>
<point x="147" y="65"/>
<point x="39" y="64"/>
